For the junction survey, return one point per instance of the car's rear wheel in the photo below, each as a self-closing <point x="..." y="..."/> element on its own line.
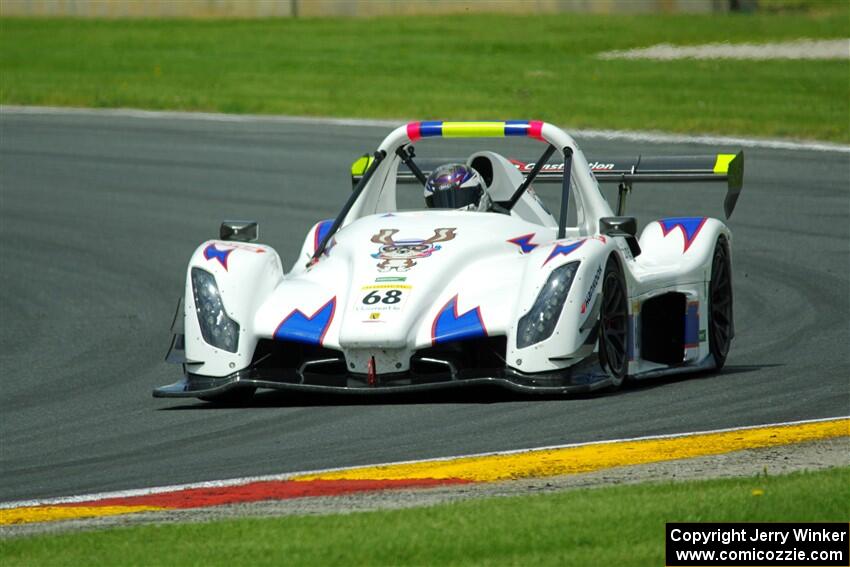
<point x="235" y="397"/>
<point x="720" y="326"/>
<point x="614" y="324"/>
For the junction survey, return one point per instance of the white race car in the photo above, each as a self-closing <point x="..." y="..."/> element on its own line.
<point x="385" y="300"/>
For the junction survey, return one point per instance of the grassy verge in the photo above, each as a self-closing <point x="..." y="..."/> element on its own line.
<point x="439" y="67"/>
<point x="608" y="526"/>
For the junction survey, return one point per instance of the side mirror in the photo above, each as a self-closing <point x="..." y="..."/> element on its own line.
<point x="621" y="226"/>
<point x="618" y="226"/>
<point x="240" y="231"/>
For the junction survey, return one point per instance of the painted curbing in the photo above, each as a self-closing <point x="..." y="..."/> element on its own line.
<point x="484" y="468"/>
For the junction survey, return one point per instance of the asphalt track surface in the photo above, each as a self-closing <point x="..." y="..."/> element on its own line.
<point x="99" y="215"/>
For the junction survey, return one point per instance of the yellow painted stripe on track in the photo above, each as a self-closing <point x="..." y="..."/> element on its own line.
<point x="586" y="458"/>
<point x="56" y="513"/>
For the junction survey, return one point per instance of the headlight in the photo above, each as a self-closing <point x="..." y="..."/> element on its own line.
<point x="217" y="328"/>
<point x="539" y="323"/>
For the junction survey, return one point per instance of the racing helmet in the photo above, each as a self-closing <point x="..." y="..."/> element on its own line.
<point x="454" y="186"/>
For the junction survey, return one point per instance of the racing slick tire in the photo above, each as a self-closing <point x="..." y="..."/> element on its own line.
<point x="614" y="324"/>
<point x="720" y="320"/>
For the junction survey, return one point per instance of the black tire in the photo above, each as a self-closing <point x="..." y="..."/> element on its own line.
<point x="614" y="333"/>
<point x="721" y="328"/>
<point x="235" y="397"/>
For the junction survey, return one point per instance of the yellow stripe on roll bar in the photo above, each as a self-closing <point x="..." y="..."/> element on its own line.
<point x="473" y="129"/>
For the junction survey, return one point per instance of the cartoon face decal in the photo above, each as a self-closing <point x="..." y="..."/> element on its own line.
<point x="401" y="255"/>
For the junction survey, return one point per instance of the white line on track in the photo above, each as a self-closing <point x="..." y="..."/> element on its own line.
<point x="276" y="477"/>
<point x="634" y="136"/>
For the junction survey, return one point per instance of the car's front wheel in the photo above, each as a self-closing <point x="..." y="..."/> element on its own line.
<point x="614" y="324"/>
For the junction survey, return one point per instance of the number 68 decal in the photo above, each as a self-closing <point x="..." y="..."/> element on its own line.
<point x="385" y="296"/>
<point x="382" y="297"/>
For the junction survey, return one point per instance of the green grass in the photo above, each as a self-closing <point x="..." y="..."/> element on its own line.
<point x="606" y="526"/>
<point x="800" y="6"/>
<point x="474" y="67"/>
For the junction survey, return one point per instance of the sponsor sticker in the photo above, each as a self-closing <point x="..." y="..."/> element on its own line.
<point x="528" y="166"/>
<point x="374" y="317"/>
<point x="590" y="291"/>
<point x="382" y="298"/>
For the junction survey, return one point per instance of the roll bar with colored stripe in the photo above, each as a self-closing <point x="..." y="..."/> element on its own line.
<point x="581" y="179"/>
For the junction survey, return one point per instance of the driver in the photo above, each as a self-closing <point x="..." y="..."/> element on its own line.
<point x="455" y="186"/>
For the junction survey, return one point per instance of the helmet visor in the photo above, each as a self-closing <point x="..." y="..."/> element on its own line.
<point x="454" y="198"/>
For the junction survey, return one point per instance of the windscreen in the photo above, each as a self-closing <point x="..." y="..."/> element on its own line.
<point x="432" y="153"/>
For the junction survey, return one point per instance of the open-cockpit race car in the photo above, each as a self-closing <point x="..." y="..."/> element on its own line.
<point x="503" y="292"/>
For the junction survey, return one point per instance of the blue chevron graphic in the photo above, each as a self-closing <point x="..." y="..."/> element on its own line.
<point x="524" y="242"/>
<point x="563" y="250"/>
<point x="321" y="231"/>
<point x="449" y="326"/>
<point x="309" y="330"/>
<point x="211" y="252"/>
<point x="690" y="228"/>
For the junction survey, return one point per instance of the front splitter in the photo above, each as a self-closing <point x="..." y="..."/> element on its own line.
<point x="195" y="386"/>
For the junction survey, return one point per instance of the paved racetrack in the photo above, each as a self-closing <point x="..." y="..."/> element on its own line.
<point x="99" y="215"/>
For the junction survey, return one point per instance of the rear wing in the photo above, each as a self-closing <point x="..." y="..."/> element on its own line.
<point x="624" y="171"/>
